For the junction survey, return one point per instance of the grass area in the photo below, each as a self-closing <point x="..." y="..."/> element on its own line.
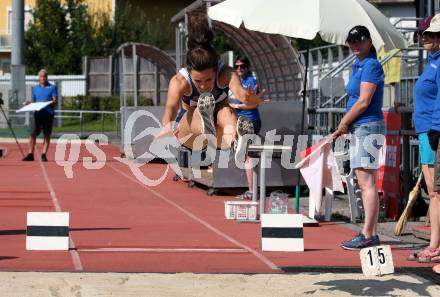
<point x="88" y="125"/>
<point x="91" y="123"/>
<point x="19" y="132"/>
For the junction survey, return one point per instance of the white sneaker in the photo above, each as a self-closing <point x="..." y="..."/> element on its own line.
<point x="245" y="196"/>
<point x="206" y="106"/>
<point x="244" y="127"/>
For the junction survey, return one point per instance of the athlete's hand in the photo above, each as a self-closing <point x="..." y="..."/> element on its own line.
<point x="254" y="98"/>
<point x="167" y="131"/>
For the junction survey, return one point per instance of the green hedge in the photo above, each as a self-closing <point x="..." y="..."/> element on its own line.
<point x="109" y="103"/>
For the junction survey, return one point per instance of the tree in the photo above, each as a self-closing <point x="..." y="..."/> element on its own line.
<point x="58" y="37"/>
<point x="130" y="25"/>
<point x="61" y="34"/>
<point x="80" y="40"/>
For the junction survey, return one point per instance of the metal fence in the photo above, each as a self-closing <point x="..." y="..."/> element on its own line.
<point x="80" y="122"/>
<point x="326" y="93"/>
<point x="151" y="83"/>
<point x="100" y="72"/>
<point x="104" y="77"/>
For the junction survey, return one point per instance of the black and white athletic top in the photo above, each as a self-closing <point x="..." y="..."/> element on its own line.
<point x="217" y="91"/>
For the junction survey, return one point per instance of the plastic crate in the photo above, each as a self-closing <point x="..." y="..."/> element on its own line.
<point x="241" y="210"/>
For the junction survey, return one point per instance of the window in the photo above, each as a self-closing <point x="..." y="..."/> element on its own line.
<point x="5" y="66"/>
<point x="27" y="18"/>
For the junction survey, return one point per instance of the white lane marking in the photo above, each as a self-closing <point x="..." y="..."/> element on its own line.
<point x="73" y="253"/>
<point x="163" y="250"/>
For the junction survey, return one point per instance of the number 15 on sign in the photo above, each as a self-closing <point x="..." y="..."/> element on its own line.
<point x="377" y="260"/>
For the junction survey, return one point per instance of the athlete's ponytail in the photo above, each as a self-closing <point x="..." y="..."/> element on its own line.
<point x="201" y="55"/>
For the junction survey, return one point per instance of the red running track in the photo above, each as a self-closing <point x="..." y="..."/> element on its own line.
<point x="118" y="224"/>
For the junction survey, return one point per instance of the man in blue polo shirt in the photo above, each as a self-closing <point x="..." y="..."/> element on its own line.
<point x="43" y="119"/>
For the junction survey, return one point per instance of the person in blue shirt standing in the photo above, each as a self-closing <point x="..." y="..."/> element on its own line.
<point x="425" y="93"/>
<point x="364" y="120"/>
<point x="43" y="119"/>
<point x="242" y="68"/>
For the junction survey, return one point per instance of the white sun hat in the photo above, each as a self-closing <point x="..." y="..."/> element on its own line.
<point x="434" y="26"/>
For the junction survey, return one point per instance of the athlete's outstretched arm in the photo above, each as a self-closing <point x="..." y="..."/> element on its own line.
<point x="176" y="89"/>
<point x="246" y="96"/>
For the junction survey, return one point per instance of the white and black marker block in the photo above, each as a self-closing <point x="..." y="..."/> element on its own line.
<point x="47" y="231"/>
<point x="282" y="232"/>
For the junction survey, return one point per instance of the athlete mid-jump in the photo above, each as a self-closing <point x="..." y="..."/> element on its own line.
<point x="198" y="96"/>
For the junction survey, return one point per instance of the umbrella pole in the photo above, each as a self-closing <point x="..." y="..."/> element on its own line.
<point x="304" y="95"/>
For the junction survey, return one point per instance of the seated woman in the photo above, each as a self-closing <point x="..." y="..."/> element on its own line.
<point x="201" y="88"/>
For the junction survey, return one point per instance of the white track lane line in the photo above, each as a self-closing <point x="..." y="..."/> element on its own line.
<point x="262" y="258"/>
<point x="162" y="250"/>
<point x="73" y="253"/>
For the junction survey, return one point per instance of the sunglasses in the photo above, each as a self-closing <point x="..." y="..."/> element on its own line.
<point x="356" y="41"/>
<point x="241" y="66"/>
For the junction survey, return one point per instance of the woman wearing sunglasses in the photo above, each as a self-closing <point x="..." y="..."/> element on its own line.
<point x="201" y="88"/>
<point x="364" y="120"/>
<point x="242" y="68"/>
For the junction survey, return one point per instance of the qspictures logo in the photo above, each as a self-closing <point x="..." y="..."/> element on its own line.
<point x="68" y="149"/>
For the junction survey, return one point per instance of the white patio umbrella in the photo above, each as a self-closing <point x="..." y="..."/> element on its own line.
<point x="331" y="19"/>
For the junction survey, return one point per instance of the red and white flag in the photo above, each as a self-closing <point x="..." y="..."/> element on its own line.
<point x="319" y="169"/>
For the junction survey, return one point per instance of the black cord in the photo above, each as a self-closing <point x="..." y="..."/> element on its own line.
<point x="10" y="126"/>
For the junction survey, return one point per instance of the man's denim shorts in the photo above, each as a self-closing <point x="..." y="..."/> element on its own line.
<point x="427" y="155"/>
<point x="366" y="140"/>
